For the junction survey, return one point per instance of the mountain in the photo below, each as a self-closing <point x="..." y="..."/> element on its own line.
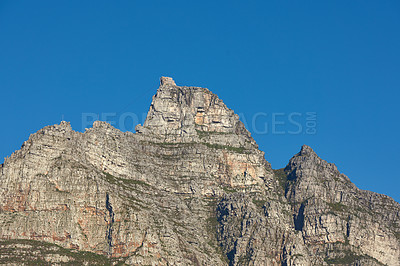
<point x="190" y="187"/>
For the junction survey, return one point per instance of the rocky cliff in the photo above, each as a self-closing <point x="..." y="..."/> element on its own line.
<point x="190" y="187"/>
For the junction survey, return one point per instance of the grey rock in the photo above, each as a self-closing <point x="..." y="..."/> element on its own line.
<point x="190" y="187"/>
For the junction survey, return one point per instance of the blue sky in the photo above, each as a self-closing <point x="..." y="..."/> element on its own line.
<point x="338" y="59"/>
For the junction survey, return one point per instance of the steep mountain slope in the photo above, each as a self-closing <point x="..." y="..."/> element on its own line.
<point x="331" y="211"/>
<point x="190" y="187"/>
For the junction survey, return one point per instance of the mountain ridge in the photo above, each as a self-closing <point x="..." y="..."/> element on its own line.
<point x="189" y="187"/>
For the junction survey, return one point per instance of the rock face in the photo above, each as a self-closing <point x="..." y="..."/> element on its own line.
<point x="190" y="187"/>
<point x="333" y="215"/>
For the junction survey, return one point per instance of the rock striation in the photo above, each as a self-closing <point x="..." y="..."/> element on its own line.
<point x="190" y="187"/>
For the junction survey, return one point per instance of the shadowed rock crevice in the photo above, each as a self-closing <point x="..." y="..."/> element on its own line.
<point x="231" y="255"/>
<point x="299" y="218"/>
<point x="284" y="257"/>
<point x="110" y="223"/>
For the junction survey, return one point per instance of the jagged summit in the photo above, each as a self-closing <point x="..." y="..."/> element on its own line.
<point x="180" y="113"/>
<point x="308" y="160"/>
<point x="305" y="149"/>
<point x="164" y="81"/>
<point x="65" y="124"/>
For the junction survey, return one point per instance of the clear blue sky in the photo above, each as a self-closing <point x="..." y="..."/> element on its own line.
<point x="339" y="59"/>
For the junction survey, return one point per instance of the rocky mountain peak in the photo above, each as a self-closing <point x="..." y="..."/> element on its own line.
<point x="307" y="151"/>
<point x="308" y="160"/>
<point x="65" y="124"/>
<point x="180" y="113"/>
<point x="167" y="81"/>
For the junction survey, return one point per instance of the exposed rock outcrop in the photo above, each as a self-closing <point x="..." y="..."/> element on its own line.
<point x="190" y="187"/>
<point x="333" y="215"/>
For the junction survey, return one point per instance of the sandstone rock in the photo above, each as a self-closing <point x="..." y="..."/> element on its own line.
<point x="190" y="187"/>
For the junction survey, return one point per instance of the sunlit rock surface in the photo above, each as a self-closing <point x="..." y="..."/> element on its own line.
<point x="190" y="187"/>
